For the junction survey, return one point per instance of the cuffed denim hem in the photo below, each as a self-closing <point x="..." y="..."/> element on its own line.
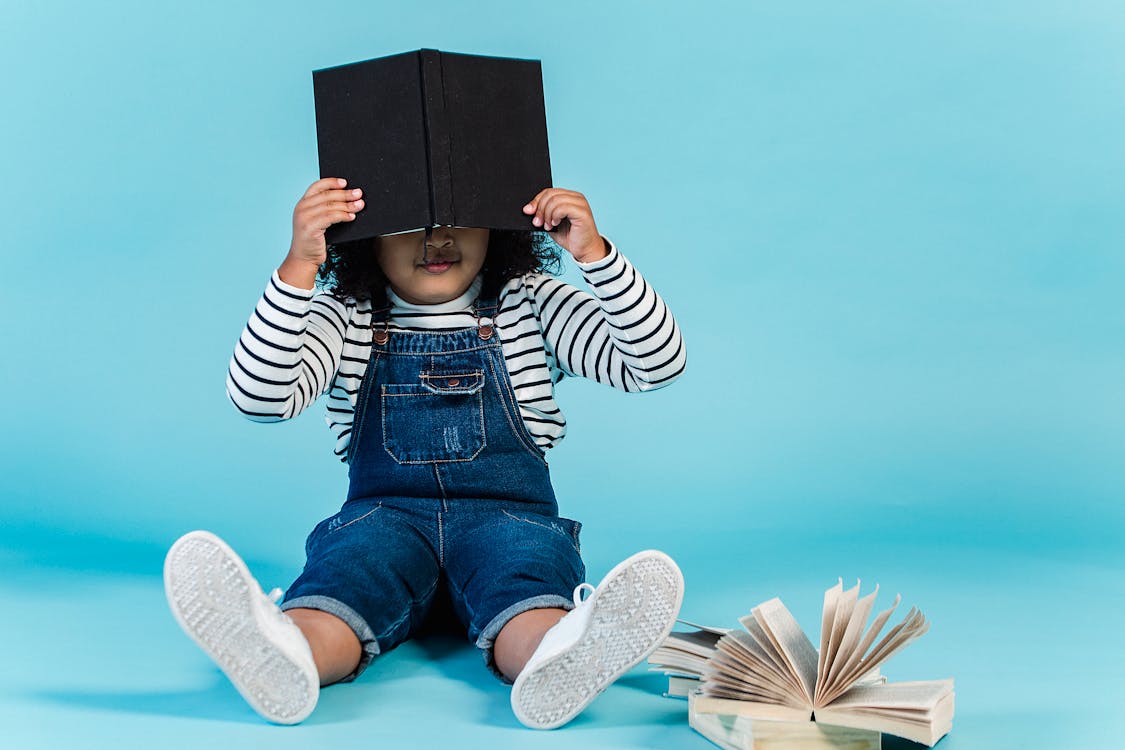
<point x="487" y="638"/>
<point x="358" y="625"/>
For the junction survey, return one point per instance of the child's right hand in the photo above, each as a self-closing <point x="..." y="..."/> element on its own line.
<point x="325" y="203"/>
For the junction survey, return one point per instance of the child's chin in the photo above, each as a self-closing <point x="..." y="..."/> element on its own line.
<point x="441" y="289"/>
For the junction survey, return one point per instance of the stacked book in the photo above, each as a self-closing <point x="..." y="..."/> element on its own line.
<point x="766" y="685"/>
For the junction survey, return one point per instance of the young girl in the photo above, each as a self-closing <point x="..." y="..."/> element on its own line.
<point x="439" y="352"/>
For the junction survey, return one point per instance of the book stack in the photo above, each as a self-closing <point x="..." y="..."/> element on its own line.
<point x="767" y="686"/>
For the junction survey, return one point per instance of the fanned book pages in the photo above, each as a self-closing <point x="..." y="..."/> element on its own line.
<point x="683" y="656"/>
<point x="771" y="671"/>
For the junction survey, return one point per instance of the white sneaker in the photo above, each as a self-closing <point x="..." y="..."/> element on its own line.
<point x="221" y="606"/>
<point x="622" y="621"/>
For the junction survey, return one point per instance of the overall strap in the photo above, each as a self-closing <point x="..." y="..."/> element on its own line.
<point x="486" y="308"/>
<point x="380" y="325"/>
<point x="486" y="312"/>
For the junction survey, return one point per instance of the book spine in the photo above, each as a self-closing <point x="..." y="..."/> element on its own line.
<point x="438" y="147"/>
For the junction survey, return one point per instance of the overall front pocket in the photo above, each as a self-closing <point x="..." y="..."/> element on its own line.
<point x="438" y="419"/>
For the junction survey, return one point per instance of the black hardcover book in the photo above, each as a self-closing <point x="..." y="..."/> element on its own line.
<point x="433" y="138"/>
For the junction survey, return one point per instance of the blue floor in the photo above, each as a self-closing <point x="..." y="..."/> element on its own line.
<point x="890" y="232"/>
<point x="94" y="659"/>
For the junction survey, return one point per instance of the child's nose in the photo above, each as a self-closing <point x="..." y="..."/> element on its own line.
<point x="441" y="237"/>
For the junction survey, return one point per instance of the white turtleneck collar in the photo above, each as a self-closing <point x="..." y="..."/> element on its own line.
<point x="417" y="314"/>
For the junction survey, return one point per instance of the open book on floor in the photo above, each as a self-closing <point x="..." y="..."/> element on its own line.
<point x="771" y="670"/>
<point x="683" y="656"/>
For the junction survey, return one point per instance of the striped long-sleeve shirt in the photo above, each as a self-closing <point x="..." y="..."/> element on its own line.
<point x="299" y="344"/>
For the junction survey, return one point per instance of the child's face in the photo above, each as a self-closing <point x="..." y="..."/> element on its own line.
<point x="434" y="271"/>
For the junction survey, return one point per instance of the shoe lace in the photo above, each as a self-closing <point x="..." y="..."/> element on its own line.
<point x="578" y="599"/>
<point x="274" y="597"/>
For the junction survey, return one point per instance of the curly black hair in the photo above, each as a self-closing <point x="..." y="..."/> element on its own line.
<point x="352" y="271"/>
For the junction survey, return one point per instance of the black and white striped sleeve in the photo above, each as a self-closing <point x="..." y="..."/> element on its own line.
<point x="622" y="335"/>
<point x="288" y="352"/>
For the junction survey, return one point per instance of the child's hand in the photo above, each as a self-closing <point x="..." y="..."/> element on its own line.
<point x="325" y="203"/>
<point x="571" y="214"/>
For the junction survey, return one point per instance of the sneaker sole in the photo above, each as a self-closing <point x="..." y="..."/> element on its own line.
<point x="634" y="609"/>
<point x="211" y="593"/>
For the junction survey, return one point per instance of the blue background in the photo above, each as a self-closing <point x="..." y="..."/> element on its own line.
<point x="891" y="232"/>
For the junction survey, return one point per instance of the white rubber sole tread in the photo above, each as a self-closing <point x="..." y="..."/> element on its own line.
<point x="634" y="609"/>
<point x="221" y="607"/>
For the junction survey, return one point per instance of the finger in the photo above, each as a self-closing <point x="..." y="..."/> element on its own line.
<point x="311" y="217"/>
<point x="331" y="196"/>
<point x="326" y="183"/>
<point x="556" y="195"/>
<point x="563" y="207"/>
<point x="549" y="198"/>
<point x="532" y="206"/>
<point x="323" y="218"/>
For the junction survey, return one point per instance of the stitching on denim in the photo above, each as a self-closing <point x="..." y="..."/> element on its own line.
<point x="354" y="520"/>
<point x="520" y="435"/>
<point x="440" y="536"/>
<point x="361" y="405"/>
<point x="407" y="614"/>
<point x="464" y="600"/>
<point x="520" y="428"/>
<point x="439" y="352"/>
<point x="345" y="612"/>
<point x="436" y="389"/>
<point x="446" y="376"/>
<point x="406" y="462"/>
<point x="533" y="523"/>
<point x="441" y="487"/>
<point x="571" y="536"/>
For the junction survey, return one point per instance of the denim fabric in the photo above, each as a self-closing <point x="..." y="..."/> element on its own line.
<point x="446" y="488"/>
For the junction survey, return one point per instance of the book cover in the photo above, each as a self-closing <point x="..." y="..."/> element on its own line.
<point x="434" y="138"/>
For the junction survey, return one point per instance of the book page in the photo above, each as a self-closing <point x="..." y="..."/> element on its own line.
<point x="704" y="628"/>
<point x="827" y="617"/>
<point x="854" y="621"/>
<point x="680" y="687"/>
<point x="758" y="642"/>
<point x="911" y="628"/>
<point x="898" y="638"/>
<point x="836" y="619"/>
<point x="920" y="695"/>
<point x="788" y="638"/>
<point x="684" y="652"/>
<point x="705" y="705"/>
<point x="918" y="711"/>
<point x="700" y="642"/>
<point x="857" y="655"/>
<point x="924" y="733"/>
<point x="668" y="661"/>
<point x="736" y="687"/>
<point x="740" y="664"/>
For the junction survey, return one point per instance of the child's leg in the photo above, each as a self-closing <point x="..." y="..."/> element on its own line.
<point x="335" y="648"/>
<point x="515" y="575"/>
<point x="224" y="610"/>
<point x="373" y="568"/>
<point x="518" y="639"/>
<point x="621" y="622"/>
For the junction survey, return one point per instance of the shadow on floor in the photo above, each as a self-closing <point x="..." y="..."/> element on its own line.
<point x="39" y="551"/>
<point x="217" y="703"/>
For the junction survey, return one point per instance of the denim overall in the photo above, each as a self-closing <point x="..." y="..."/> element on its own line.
<point x="446" y="488"/>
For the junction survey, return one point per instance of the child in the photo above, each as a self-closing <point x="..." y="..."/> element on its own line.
<point x="439" y="351"/>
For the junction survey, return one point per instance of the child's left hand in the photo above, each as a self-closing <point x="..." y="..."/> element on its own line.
<point x="569" y="212"/>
